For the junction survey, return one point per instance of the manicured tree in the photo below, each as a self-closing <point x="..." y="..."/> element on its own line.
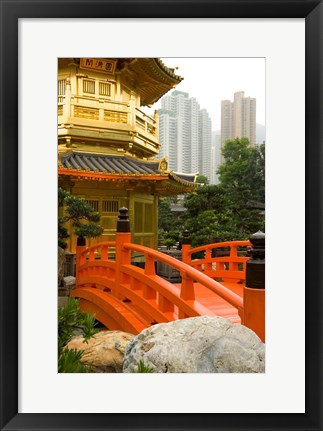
<point x="84" y="218"/>
<point x="202" y="179"/>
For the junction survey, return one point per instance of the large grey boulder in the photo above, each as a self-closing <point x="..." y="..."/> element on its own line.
<point x="104" y="352"/>
<point x="196" y="345"/>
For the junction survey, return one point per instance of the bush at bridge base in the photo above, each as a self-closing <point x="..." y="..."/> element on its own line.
<point x="70" y="320"/>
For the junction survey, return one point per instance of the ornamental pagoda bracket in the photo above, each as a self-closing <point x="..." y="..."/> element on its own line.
<point x="163" y="165"/>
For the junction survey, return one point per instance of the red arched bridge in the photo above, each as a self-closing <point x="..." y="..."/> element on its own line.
<point x="214" y="280"/>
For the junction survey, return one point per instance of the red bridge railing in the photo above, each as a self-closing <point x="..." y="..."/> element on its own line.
<point x="222" y="260"/>
<point x="132" y="298"/>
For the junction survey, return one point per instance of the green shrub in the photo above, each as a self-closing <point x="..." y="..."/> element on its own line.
<point x="142" y="368"/>
<point x="70" y="320"/>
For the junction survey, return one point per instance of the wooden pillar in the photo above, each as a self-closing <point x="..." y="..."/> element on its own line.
<point x="156" y="123"/>
<point x="67" y="106"/>
<point x="254" y="291"/>
<point x="80" y="247"/>
<point x="132" y="103"/>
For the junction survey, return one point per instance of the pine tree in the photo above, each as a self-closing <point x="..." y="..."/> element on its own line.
<point x="84" y="218"/>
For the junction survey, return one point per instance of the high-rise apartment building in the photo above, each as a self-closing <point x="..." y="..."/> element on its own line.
<point x="215" y="156"/>
<point x="205" y="144"/>
<point x="185" y="134"/>
<point x="238" y="118"/>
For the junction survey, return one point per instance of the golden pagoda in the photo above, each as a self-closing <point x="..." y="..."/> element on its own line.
<point x="107" y="145"/>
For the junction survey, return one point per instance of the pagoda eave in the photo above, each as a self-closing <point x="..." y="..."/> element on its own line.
<point x="162" y="183"/>
<point x="110" y="176"/>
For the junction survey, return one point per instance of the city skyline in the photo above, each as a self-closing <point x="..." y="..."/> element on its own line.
<point x="185" y="131"/>
<point x="211" y="80"/>
<point x="185" y="134"/>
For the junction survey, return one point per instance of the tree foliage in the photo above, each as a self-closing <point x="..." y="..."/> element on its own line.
<point x="202" y="179"/>
<point x="226" y="211"/>
<point x="243" y="171"/>
<point x="71" y="319"/>
<point x="84" y="219"/>
<point x="169" y="225"/>
<point x="166" y="219"/>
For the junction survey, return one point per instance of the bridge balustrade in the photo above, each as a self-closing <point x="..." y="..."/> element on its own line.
<point x="165" y="293"/>
<point x="94" y="266"/>
<point x="222" y="261"/>
<point x="127" y="297"/>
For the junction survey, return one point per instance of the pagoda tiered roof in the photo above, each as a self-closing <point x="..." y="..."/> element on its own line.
<point x="152" y="76"/>
<point x="108" y="164"/>
<point x="123" y="168"/>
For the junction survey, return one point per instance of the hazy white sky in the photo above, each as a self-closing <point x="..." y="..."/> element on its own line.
<point x="211" y="80"/>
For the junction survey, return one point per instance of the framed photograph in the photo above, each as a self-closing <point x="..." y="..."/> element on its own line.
<point x="288" y="35"/>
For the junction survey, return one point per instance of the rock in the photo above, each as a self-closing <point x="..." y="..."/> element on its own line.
<point x="69" y="282"/>
<point x="196" y="345"/>
<point x="104" y="352"/>
<point x="60" y="264"/>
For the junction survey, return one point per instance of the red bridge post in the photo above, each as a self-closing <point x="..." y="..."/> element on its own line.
<point x="123" y="257"/>
<point x="254" y="291"/>
<point x="186" y="246"/>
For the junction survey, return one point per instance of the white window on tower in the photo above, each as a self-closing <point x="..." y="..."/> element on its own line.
<point x="88" y="86"/>
<point x="104" y="89"/>
<point x="61" y="90"/>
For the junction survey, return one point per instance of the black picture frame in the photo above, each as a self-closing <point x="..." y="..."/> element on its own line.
<point x="11" y="11"/>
